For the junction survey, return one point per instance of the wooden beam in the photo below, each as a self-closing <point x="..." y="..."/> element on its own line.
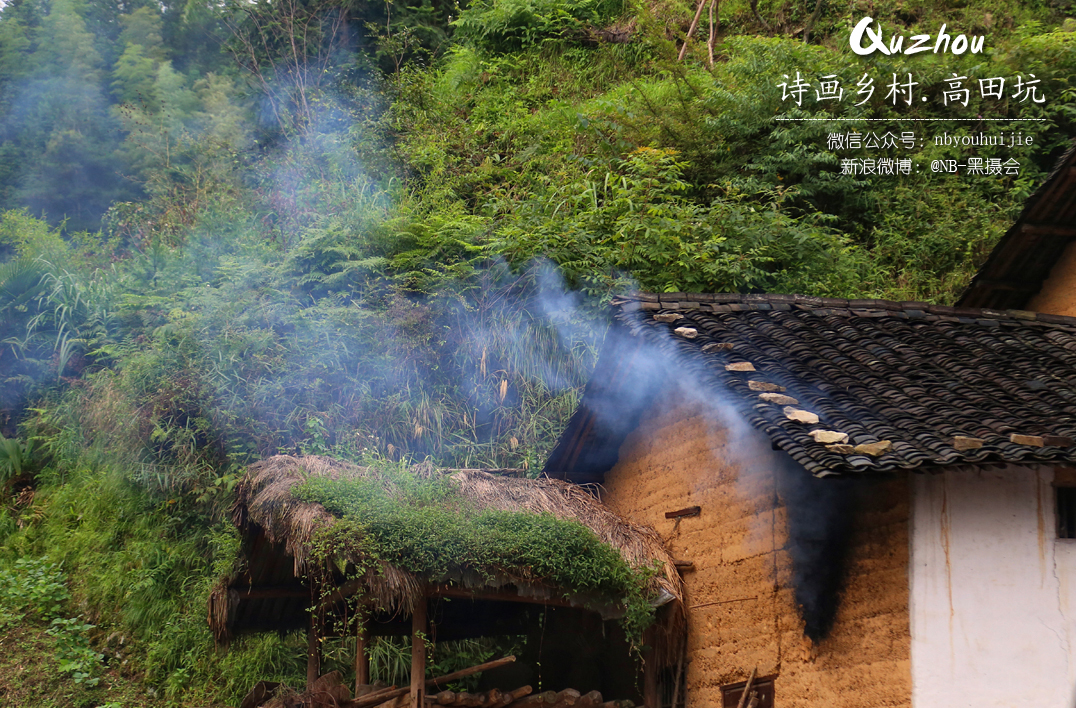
<point x="257" y="592"/>
<point x="680" y="513"/>
<point x="1048" y="230"/>
<point x="459" y="593"/>
<point x="1020" y="286"/>
<point x="418" y="653"/>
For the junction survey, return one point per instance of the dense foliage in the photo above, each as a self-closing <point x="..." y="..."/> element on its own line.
<point x="384" y="231"/>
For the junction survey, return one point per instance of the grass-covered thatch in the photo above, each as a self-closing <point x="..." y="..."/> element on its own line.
<point x="389" y="532"/>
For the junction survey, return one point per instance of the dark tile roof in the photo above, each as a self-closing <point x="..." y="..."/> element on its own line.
<point x="1021" y="261"/>
<point x="914" y="374"/>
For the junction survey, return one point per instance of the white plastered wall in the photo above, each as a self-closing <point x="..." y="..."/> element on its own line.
<point x="993" y="592"/>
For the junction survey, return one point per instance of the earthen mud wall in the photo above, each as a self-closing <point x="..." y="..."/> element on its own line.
<point x="742" y="614"/>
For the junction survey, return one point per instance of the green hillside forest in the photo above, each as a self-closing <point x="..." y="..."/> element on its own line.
<point x="388" y="231"/>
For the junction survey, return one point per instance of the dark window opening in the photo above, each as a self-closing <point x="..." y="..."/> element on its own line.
<point x="1066" y="512"/>
<point x="762" y="690"/>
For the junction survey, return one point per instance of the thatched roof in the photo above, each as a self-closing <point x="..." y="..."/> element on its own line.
<point x="266" y="505"/>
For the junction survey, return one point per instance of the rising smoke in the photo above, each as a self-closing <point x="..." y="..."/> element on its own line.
<point x="818" y="512"/>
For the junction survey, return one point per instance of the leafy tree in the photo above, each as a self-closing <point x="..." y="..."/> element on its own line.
<point x="134" y="75"/>
<point x="143" y="27"/>
<point x="61" y="131"/>
<point x="290" y="50"/>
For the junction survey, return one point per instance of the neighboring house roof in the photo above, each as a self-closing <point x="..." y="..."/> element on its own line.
<point x="914" y="374"/>
<point x="1021" y="261"/>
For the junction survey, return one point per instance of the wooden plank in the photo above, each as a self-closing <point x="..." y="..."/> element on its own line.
<point x="418" y="653"/>
<point x="680" y="513"/>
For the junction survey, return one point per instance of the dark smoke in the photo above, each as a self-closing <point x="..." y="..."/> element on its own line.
<point x="633" y="373"/>
<point x="820" y="513"/>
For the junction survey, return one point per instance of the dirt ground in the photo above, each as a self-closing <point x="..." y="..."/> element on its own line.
<point x="30" y="677"/>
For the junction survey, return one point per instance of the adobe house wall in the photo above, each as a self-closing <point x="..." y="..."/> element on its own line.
<point x="1058" y="293"/>
<point x="740" y="596"/>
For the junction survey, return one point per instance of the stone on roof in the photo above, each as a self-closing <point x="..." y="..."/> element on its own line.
<point x="912" y="385"/>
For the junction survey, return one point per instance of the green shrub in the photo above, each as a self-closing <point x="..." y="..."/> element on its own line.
<point x="509" y="25"/>
<point x="33" y="588"/>
<point x="639" y="223"/>
<point x="37" y="589"/>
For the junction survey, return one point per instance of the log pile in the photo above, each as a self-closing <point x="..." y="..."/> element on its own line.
<point x="523" y="698"/>
<point x="329" y="691"/>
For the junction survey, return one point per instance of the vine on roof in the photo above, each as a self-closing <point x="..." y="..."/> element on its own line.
<point x="427" y="527"/>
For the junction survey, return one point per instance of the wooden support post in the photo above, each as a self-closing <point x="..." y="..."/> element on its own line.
<point x="418" y="653"/>
<point x="313" y="651"/>
<point x="362" y="660"/>
<point x="651" y="688"/>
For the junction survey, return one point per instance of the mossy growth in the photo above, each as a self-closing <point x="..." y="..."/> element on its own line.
<point x="427" y="527"/>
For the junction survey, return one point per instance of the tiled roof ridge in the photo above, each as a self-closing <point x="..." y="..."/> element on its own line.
<point x="733" y="302"/>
